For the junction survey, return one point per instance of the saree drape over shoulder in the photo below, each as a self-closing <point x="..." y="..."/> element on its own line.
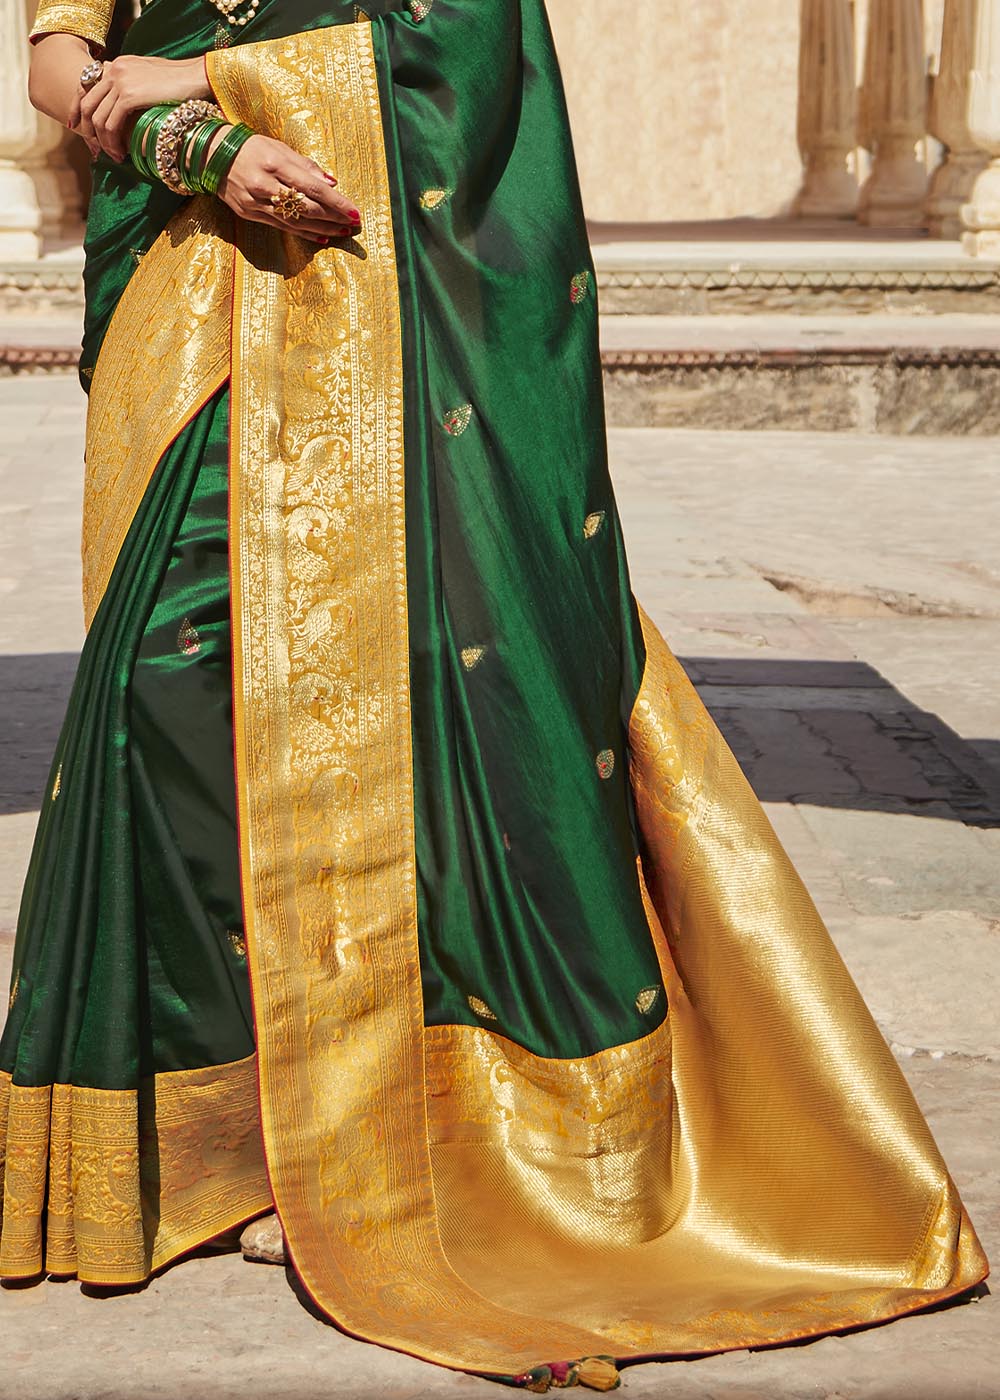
<point x="486" y="966"/>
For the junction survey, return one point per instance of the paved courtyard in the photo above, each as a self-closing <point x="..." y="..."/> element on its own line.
<point x="837" y="600"/>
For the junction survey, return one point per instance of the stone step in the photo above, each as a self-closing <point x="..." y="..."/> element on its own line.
<point x="767" y="266"/>
<point x="931" y="374"/>
<point x="715" y="268"/>
<point x="936" y="374"/>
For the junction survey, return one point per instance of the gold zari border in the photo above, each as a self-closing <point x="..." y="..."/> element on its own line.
<point x="112" y="1184"/>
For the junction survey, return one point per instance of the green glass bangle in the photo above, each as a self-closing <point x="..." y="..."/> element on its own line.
<point x="136" y="140"/>
<point x="144" y="133"/>
<point x="222" y="158"/>
<point x="192" y="155"/>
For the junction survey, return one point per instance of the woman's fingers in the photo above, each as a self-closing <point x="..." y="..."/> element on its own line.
<point x="316" y="230"/>
<point x="91" y="99"/>
<point x="113" y="134"/>
<point x="305" y="175"/>
<point x="303" y="228"/>
<point x="73" y="119"/>
<point x="100" y="118"/>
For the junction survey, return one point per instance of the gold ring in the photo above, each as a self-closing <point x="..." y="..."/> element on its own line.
<point x="288" y="203"/>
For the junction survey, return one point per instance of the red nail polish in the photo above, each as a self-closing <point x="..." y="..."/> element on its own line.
<point x="322" y="242"/>
<point x="329" y="179"/>
<point x="354" y="215"/>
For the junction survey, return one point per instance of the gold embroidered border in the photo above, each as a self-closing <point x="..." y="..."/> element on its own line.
<point x="177" y="310"/>
<point x="584" y="1142"/>
<point x="90" y="20"/>
<point x="111" y="1185"/>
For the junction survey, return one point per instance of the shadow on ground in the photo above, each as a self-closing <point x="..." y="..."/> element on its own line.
<point x="34" y="691"/>
<point x="838" y="734"/>
<point x="830" y="733"/>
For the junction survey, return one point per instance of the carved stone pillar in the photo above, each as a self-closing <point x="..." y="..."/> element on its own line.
<point x="952" y="183"/>
<point x="981" y="215"/>
<point x="70" y="191"/>
<point x="56" y="186"/>
<point x="827" y="120"/>
<point x="20" y="212"/>
<point x="893" y="118"/>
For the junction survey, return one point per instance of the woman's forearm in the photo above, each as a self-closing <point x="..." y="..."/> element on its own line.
<point x="105" y="113"/>
<point x="57" y="61"/>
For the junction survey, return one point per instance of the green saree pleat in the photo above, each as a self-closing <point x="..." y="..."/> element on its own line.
<point x="126" y="959"/>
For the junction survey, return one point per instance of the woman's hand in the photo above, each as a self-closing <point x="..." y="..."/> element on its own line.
<point x="129" y="84"/>
<point x="262" y="166"/>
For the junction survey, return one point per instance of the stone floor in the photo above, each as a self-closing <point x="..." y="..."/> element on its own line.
<point x="837" y="600"/>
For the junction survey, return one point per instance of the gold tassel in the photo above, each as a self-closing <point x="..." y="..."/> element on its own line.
<point x="597" y="1373"/>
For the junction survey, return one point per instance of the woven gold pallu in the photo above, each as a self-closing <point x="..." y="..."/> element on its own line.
<point x="754" y="1170"/>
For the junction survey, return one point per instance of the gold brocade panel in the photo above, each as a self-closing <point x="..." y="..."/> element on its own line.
<point x="755" y="1170"/>
<point x="111" y="1184"/>
<point x="177" y="306"/>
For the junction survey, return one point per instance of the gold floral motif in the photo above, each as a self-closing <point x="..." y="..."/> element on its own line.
<point x="579" y="287"/>
<point x="188" y="640"/>
<point x="434" y="198"/>
<point x="137" y="255"/>
<point x="223" y="36"/>
<point x="87" y="371"/>
<point x="361" y="16"/>
<point x="471" y="657"/>
<point x="593" y="523"/>
<point x="76" y="1165"/>
<point x="456" y="420"/>
<point x="481" y="1009"/>
<point x="647" y="999"/>
<point x="605" y="762"/>
<point x="14" y="991"/>
<point x="420" y="9"/>
<point x="57" y="784"/>
<point x="238" y="941"/>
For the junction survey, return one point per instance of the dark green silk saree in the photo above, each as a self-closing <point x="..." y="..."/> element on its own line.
<point x="481" y="961"/>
